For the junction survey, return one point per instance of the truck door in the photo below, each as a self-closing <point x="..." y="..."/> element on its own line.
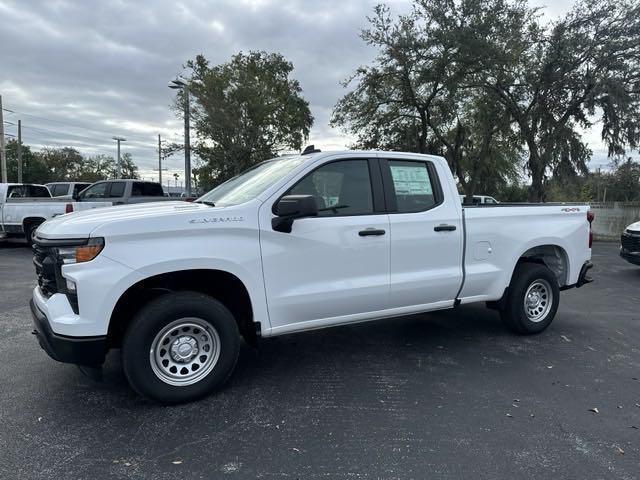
<point x="426" y="235"/>
<point x="332" y="268"/>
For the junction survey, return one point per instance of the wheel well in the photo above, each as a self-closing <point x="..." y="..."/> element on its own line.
<point x="551" y="256"/>
<point x="31" y="221"/>
<point x="223" y="286"/>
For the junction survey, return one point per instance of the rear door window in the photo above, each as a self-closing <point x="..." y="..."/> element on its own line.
<point x="117" y="189"/>
<point x="146" y="189"/>
<point x="412" y="185"/>
<point x="59" y="189"/>
<point x="37" y="191"/>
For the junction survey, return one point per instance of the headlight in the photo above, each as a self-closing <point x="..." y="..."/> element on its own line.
<point x="82" y="253"/>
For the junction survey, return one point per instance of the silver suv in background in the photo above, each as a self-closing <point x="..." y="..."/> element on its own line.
<point x="123" y="192"/>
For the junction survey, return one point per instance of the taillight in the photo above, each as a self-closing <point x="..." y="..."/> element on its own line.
<point x="590" y="217"/>
<point x="68" y="208"/>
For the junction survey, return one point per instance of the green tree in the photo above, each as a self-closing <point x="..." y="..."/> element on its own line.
<point x="33" y="170"/>
<point x="244" y="111"/>
<point x="62" y="164"/>
<point x="65" y="164"/>
<point x="625" y="181"/>
<point x="419" y="95"/>
<point x="580" y="69"/>
<point x="101" y="167"/>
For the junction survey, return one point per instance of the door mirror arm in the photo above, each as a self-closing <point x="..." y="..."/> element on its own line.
<point x="291" y="207"/>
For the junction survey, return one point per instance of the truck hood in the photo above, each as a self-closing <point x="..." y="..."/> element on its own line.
<point x="634" y="227"/>
<point x="81" y="224"/>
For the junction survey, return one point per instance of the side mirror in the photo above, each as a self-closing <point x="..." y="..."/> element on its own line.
<point x="291" y="207"/>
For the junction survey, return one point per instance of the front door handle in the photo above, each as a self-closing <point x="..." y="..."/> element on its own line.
<point x="371" y="232"/>
<point x="444" y="228"/>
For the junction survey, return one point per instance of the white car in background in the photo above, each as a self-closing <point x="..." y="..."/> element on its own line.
<point x="480" y="199"/>
<point x="24" y="206"/>
<point x="67" y="189"/>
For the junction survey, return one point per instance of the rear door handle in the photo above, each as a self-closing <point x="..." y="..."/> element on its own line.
<point x="371" y="232"/>
<point x="444" y="228"/>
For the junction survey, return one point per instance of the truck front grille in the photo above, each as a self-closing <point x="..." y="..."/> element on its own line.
<point x="49" y="273"/>
<point x="44" y="260"/>
<point x="630" y="242"/>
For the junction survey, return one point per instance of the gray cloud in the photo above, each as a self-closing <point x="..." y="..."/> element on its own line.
<point x="84" y="71"/>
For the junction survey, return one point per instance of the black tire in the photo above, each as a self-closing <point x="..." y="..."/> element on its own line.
<point x="521" y="317"/>
<point x="29" y="231"/>
<point x="139" y="361"/>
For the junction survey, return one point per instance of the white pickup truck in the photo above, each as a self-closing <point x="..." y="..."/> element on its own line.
<point x="24" y="206"/>
<point x="296" y="243"/>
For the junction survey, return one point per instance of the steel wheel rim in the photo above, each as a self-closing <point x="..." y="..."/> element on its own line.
<point x="185" y="351"/>
<point x="538" y="300"/>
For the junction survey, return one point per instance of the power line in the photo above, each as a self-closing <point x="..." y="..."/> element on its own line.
<point x="70" y="124"/>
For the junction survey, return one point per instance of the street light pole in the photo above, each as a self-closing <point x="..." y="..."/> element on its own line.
<point x="179" y="84"/>
<point x="118" y="164"/>
<point x="159" y="160"/>
<point x="19" y="151"/>
<point x="187" y="145"/>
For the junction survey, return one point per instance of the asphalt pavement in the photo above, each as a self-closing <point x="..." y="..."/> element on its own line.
<point x="445" y="395"/>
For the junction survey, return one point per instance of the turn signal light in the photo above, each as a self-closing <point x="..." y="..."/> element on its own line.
<point x="68" y="208"/>
<point x="86" y="253"/>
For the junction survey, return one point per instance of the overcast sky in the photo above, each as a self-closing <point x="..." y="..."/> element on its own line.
<point x="79" y="72"/>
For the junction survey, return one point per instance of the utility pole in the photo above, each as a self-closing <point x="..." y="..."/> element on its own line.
<point x="118" y="164"/>
<point x="19" y="151"/>
<point x="3" y="158"/>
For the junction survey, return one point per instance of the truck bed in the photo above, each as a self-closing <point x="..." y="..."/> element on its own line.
<point x="493" y="242"/>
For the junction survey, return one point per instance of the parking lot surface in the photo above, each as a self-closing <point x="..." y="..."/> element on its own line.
<point x="444" y="395"/>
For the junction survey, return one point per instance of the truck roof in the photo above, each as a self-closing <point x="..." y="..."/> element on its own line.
<point x="380" y="153"/>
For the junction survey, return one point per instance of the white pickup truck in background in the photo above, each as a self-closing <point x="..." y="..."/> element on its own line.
<point x="296" y="243"/>
<point x="23" y="207"/>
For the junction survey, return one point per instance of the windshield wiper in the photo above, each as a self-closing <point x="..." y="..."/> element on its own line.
<point x="205" y="202"/>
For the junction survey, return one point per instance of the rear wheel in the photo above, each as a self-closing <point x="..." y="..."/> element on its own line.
<point x="532" y="300"/>
<point x="180" y="347"/>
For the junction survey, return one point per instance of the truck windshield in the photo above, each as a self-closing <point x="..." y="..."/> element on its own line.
<point x="251" y="183"/>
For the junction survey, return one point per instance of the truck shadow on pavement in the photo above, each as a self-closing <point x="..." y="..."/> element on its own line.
<point x="421" y="348"/>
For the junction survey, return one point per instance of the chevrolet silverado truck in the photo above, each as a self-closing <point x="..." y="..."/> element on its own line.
<point x="296" y="243"/>
<point x="24" y="206"/>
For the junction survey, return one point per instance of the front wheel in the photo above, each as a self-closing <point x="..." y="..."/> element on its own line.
<point x="30" y="232"/>
<point x="532" y="300"/>
<point x="180" y="347"/>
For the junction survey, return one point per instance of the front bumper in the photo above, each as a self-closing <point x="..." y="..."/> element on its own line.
<point x="630" y="246"/>
<point x="89" y="351"/>
<point x="631" y="257"/>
